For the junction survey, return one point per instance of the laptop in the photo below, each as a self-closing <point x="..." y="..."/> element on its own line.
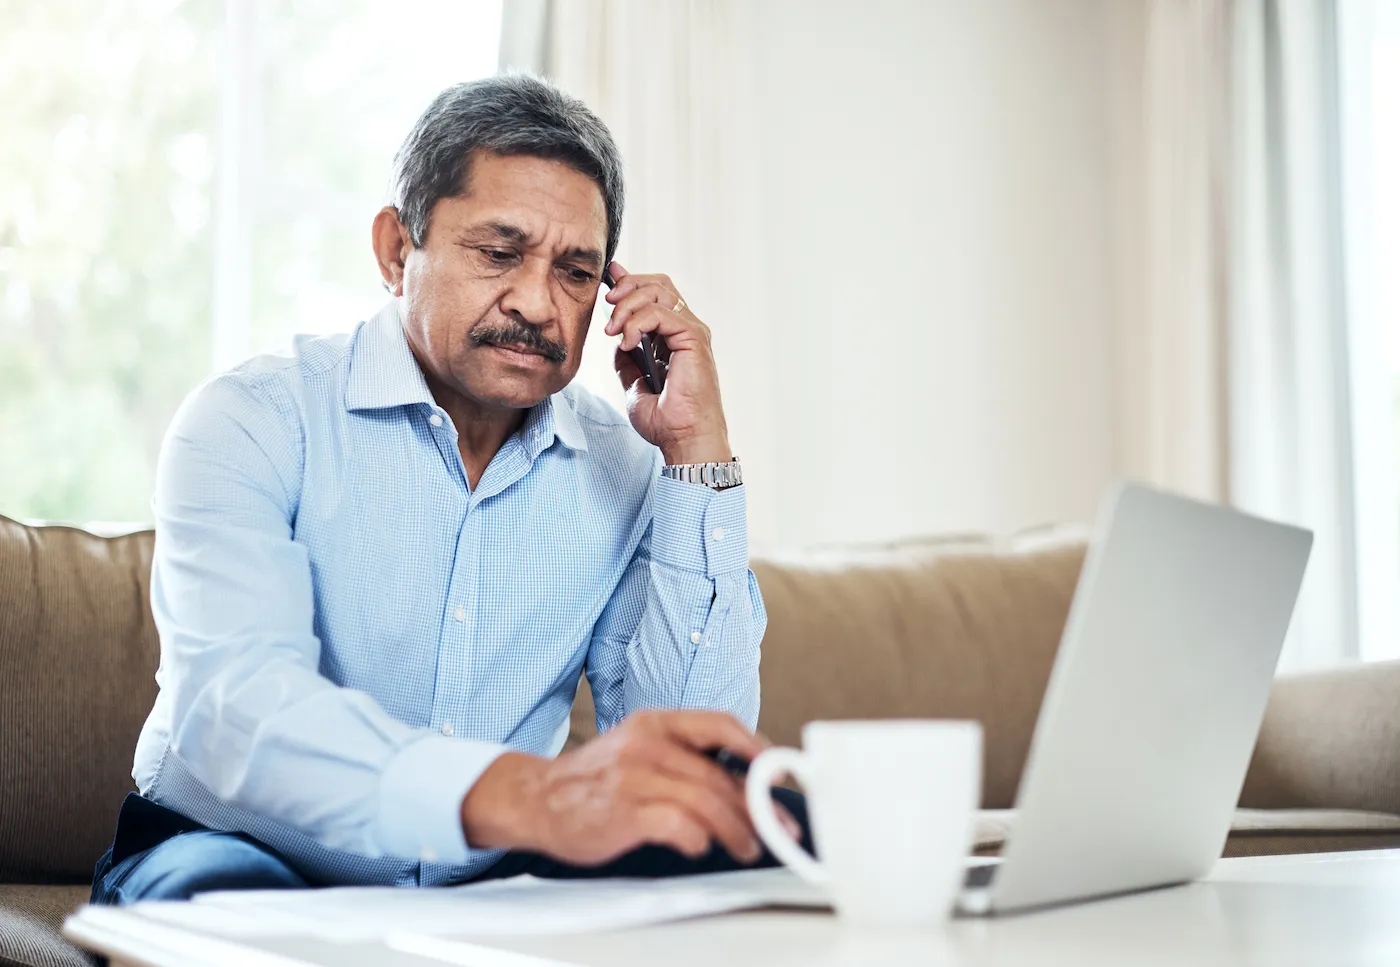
<point x="1153" y="706"/>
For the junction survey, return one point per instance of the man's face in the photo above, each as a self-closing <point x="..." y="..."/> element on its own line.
<point x="498" y="299"/>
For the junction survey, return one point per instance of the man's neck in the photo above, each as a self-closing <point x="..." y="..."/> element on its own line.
<point x="481" y="430"/>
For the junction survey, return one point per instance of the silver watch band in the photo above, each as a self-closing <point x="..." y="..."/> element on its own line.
<point x="718" y="476"/>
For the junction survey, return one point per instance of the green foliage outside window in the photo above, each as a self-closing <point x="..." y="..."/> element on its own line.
<point x="108" y="114"/>
<point x="109" y="159"/>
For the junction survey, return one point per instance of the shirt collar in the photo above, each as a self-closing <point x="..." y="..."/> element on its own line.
<point x="551" y="419"/>
<point x="383" y="373"/>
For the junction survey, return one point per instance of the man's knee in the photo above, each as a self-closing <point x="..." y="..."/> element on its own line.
<point x="198" y="862"/>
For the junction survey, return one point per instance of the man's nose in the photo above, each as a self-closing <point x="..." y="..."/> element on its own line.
<point x="528" y="297"/>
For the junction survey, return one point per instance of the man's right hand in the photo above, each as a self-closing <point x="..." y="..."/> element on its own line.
<point x="647" y="781"/>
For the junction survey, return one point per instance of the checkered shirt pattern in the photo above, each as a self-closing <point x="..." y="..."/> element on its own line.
<point x="350" y="635"/>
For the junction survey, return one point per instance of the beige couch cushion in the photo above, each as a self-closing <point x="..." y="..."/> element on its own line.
<point x="30" y="918"/>
<point x="1330" y="739"/>
<point x="961" y="629"/>
<point x="1269" y="832"/>
<point x="1253" y="832"/>
<point x="77" y="656"/>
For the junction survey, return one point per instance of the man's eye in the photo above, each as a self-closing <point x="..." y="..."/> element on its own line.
<point x="496" y="255"/>
<point x="579" y="275"/>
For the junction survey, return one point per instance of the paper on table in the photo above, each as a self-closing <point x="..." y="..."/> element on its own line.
<point x="521" y="905"/>
<point x="220" y="921"/>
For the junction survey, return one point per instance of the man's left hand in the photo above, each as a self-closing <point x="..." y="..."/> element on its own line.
<point x="687" y="420"/>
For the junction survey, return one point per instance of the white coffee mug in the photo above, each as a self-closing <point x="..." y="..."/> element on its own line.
<point x="891" y="805"/>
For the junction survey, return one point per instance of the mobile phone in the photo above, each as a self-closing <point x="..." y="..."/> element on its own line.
<point x="651" y="355"/>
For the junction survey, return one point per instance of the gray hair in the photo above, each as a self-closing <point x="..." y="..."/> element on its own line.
<point x="509" y="114"/>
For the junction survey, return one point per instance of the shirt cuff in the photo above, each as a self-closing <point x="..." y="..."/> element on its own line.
<point x="698" y="528"/>
<point x="421" y="793"/>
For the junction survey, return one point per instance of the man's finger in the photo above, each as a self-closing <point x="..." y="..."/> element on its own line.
<point x="626" y="368"/>
<point x="628" y="303"/>
<point x="704" y="731"/>
<point x="682" y="762"/>
<point x="625" y="281"/>
<point x="681" y="332"/>
<point x="621" y="290"/>
<point x="725" y="820"/>
<point x="666" y="824"/>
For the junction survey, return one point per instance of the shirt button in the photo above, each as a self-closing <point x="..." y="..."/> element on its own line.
<point x="427" y="854"/>
<point x="717" y="533"/>
<point x="695" y="637"/>
<point x="447" y="728"/>
<point x="435" y="420"/>
<point x="460" y="614"/>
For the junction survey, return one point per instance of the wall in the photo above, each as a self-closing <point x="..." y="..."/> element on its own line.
<point x="898" y="219"/>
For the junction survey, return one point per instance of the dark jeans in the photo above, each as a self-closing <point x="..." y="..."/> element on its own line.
<point x="158" y="854"/>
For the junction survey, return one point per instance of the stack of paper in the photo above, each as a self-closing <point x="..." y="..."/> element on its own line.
<point x="522" y="905"/>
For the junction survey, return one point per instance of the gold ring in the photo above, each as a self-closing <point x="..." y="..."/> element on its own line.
<point x="680" y="304"/>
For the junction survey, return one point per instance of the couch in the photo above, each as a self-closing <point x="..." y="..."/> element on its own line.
<point x="962" y="628"/>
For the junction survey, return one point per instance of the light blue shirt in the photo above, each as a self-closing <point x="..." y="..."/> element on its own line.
<point x="350" y="635"/>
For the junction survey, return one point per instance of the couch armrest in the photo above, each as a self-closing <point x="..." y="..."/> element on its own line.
<point x="1330" y="740"/>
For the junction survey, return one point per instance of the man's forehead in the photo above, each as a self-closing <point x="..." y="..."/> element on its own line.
<point x="531" y="201"/>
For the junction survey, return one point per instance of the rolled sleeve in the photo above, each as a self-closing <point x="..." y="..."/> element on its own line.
<point x="697" y="528"/>
<point x="420" y="797"/>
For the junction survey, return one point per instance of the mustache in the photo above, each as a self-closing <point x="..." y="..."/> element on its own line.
<point x="517" y="335"/>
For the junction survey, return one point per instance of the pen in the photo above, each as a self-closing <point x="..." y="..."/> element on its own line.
<point x="736" y="765"/>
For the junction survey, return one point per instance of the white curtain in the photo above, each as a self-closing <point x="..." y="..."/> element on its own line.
<point x="1292" y="450"/>
<point x="1172" y="336"/>
<point x="669" y="79"/>
<point x="1234" y="344"/>
<point x="1231" y="334"/>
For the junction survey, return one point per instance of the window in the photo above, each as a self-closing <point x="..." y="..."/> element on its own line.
<point x="1369" y="36"/>
<point x="184" y="184"/>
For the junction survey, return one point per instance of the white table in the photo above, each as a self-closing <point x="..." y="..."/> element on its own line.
<point x="1334" y="908"/>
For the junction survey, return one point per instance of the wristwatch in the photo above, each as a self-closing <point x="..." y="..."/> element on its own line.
<point x="717" y="476"/>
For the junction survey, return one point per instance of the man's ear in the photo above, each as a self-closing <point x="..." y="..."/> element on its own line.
<point x="391" y="248"/>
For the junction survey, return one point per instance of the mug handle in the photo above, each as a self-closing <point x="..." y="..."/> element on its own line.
<point x="769" y="765"/>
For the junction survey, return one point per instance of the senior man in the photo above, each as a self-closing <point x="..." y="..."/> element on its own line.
<point x="383" y="561"/>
